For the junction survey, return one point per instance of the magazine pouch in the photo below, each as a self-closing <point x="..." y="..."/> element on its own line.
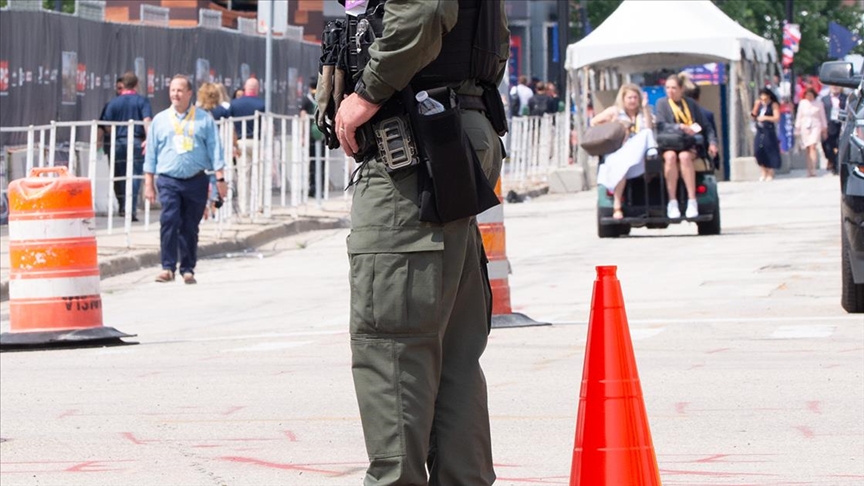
<point x="453" y="186"/>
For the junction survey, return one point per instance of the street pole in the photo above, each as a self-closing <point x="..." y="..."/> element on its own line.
<point x="563" y="41"/>
<point x="268" y="62"/>
<point x="790" y="19"/>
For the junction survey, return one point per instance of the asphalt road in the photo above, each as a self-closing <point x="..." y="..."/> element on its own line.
<point x="752" y="373"/>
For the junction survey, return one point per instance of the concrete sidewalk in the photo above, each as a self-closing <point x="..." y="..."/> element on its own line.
<point x="121" y="253"/>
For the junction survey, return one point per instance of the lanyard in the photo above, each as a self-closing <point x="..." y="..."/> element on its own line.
<point x="681" y="117"/>
<point x="178" y="127"/>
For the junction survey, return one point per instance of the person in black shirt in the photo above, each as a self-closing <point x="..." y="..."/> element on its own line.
<point x="129" y="106"/>
<point x="680" y="114"/>
<point x="308" y="105"/>
<point x="538" y="105"/>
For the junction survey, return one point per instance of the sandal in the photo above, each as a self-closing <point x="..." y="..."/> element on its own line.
<point x="165" y="276"/>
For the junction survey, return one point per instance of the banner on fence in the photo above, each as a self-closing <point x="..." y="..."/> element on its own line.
<point x="61" y="67"/>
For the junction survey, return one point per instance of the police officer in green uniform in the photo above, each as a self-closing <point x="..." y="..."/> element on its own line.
<point x="420" y="299"/>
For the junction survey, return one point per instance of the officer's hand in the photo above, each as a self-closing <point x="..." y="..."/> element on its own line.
<point x="353" y="112"/>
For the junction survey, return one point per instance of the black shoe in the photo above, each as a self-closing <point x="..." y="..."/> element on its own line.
<point x="134" y="218"/>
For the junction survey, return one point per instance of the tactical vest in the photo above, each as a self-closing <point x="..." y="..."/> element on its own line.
<point x="468" y="51"/>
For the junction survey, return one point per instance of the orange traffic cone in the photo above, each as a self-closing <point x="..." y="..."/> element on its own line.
<point x="613" y="440"/>
<point x="54" y="295"/>
<point x="491" y="223"/>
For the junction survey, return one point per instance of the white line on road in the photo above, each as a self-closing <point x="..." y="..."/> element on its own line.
<point x="724" y="320"/>
<point x="639" y="334"/>
<point x="802" y="332"/>
<point x="269" y="346"/>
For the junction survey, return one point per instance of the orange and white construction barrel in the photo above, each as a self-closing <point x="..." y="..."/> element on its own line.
<point x="54" y="294"/>
<point x="491" y="223"/>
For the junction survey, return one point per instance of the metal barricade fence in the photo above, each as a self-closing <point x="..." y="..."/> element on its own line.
<point x="274" y="159"/>
<point x="539" y="145"/>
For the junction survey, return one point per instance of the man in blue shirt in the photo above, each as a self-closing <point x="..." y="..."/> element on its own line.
<point x="183" y="143"/>
<point x="246" y="105"/>
<point x="129" y="105"/>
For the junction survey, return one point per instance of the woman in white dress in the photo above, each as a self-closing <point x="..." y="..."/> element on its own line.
<point x="630" y="108"/>
<point x="811" y="127"/>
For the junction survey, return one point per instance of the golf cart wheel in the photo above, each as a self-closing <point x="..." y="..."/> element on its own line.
<point x="711" y="227"/>
<point x="607" y="230"/>
<point x="852" y="296"/>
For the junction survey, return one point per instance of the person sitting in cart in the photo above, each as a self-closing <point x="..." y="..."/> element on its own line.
<point x="676" y="112"/>
<point x="630" y="108"/>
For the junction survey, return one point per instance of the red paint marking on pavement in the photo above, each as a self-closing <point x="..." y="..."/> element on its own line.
<point x="90" y="466"/>
<point x="716" y="474"/>
<point x="851" y="350"/>
<point x="549" y="480"/>
<point x="205" y="446"/>
<point x="233" y="409"/>
<point x="698" y="365"/>
<point x="680" y="406"/>
<point x="814" y="406"/>
<point x="714" y="458"/>
<point x="291" y="436"/>
<point x="249" y="440"/>
<point x="276" y="465"/>
<point x="718" y="350"/>
<point x="807" y="432"/>
<point x="68" y="413"/>
<point x="76" y="466"/>
<point x="131" y="438"/>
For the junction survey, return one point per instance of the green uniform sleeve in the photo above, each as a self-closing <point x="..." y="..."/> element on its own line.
<point x="413" y="31"/>
<point x="504" y="47"/>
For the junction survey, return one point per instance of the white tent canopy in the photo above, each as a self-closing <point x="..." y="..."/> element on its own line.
<point x="643" y="35"/>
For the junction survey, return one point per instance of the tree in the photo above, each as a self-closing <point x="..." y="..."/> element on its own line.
<point x="66" y="6"/>
<point x="766" y="18"/>
<point x="598" y="11"/>
<point x="762" y="17"/>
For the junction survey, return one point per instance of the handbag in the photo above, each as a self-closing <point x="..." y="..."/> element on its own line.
<point x="673" y="138"/>
<point x="604" y="139"/>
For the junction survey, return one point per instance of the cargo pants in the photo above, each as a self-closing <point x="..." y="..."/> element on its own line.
<point x="420" y="302"/>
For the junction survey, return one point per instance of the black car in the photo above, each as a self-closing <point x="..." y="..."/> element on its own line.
<point x="850" y="158"/>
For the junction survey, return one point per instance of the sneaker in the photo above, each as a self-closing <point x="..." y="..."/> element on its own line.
<point x="189" y="278"/>
<point x="692" y="209"/>
<point x="165" y="276"/>
<point x="672" y="211"/>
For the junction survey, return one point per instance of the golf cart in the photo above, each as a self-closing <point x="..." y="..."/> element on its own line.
<point x="645" y="198"/>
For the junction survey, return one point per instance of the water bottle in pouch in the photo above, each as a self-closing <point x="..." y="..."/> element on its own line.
<point x="427" y="105"/>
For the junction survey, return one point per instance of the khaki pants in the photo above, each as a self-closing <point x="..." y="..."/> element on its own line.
<point x="420" y="301"/>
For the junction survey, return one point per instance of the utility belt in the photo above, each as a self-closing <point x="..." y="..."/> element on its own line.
<point x="451" y="181"/>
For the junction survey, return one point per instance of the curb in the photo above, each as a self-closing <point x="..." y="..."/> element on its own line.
<point x="135" y="260"/>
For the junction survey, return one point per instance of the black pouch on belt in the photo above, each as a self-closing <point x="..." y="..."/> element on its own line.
<point x="494" y="108"/>
<point x="454" y="185"/>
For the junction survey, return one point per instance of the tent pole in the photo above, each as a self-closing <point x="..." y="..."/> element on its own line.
<point x="583" y="122"/>
<point x="732" y="87"/>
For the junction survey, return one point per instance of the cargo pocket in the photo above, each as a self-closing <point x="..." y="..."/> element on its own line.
<point x="376" y="378"/>
<point x="396" y="293"/>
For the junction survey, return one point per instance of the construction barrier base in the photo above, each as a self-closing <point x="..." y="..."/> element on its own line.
<point x="515" y="319"/>
<point x="95" y="336"/>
